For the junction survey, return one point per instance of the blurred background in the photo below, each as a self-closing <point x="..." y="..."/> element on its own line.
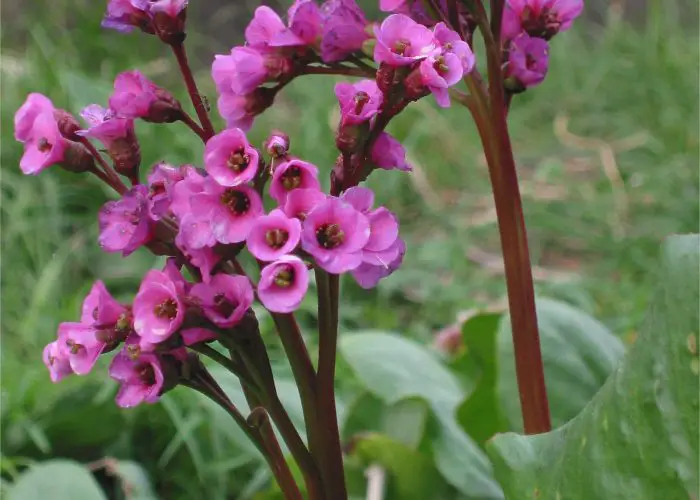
<point x="607" y="152"/>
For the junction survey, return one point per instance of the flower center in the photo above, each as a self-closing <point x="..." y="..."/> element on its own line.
<point x="401" y="47"/>
<point x="238" y="161"/>
<point x="166" y="309"/>
<point x="291" y="178"/>
<point x="330" y="236"/>
<point x="145" y="373"/>
<point x="44" y="145"/>
<point x="73" y="346"/>
<point x="157" y="188"/>
<point x="361" y="98"/>
<point x="223" y="305"/>
<point x="236" y="201"/>
<point x="544" y="24"/>
<point x="530" y="61"/>
<point x="133" y="351"/>
<point x="123" y="324"/>
<point x="285" y="277"/>
<point x="276" y="238"/>
<point x="441" y="66"/>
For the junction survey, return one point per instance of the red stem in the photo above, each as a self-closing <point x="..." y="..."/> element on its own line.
<point x="194" y="126"/>
<point x="195" y="96"/>
<point x="112" y="178"/>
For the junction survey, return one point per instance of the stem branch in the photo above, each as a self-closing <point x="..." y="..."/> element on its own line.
<point x="195" y="96"/>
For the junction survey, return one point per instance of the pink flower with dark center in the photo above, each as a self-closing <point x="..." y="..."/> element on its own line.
<point x="439" y="73"/>
<point x="389" y="154"/>
<point x="368" y="275"/>
<point x="451" y="43"/>
<point x="125" y="224"/>
<point x="124" y="15"/>
<point x="35" y="105"/>
<point x="344" y="29"/>
<point x="334" y="233"/>
<point x="56" y="360"/>
<point x="528" y="62"/>
<point x="225" y="299"/>
<point x="291" y="175"/>
<point x="359" y="102"/>
<point x="45" y="145"/>
<point x="539" y="18"/>
<point x="158" y="307"/>
<point x="161" y="183"/>
<point x="230" y="159"/>
<point x="135" y="96"/>
<point x="273" y="236"/>
<point x="401" y="41"/>
<point x="101" y="309"/>
<point x="140" y="376"/>
<point x="263" y="27"/>
<point x="304" y="25"/>
<point x="283" y="284"/>
<point x="301" y="201"/>
<point x="82" y="346"/>
<point x="231" y="211"/>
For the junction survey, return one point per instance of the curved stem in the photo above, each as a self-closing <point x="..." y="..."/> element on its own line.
<point x="112" y="178"/>
<point x="331" y="462"/>
<point x="195" y="96"/>
<point x="194" y="126"/>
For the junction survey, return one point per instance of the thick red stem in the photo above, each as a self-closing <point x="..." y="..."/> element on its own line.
<point x="195" y="96"/>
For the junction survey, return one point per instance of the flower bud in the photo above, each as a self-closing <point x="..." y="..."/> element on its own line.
<point x="68" y="125"/>
<point x="385" y="77"/>
<point x="277" y="145"/>
<point x="125" y="152"/>
<point x="77" y="158"/>
<point x="350" y="138"/>
<point x="415" y="88"/>
<point x="165" y="109"/>
<point x="170" y="24"/>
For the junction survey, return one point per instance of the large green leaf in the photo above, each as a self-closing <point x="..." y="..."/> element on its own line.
<point x="394" y="369"/>
<point x="638" y="438"/>
<point x="56" y="480"/>
<point x="578" y="352"/>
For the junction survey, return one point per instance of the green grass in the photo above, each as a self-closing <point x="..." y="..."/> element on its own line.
<point x="595" y="225"/>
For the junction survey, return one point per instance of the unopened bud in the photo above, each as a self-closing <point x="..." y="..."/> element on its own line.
<point x="166" y="109"/>
<point x="125" y="152"/>
<point x="415" y="88"/>
<point x="277" y="145"/>
<point x="385" y="77"/>
<point x="77" y="158"/>
<point x="170" y="29"/>
<point x="350" y="138"/>
<point x="68" y="125"/>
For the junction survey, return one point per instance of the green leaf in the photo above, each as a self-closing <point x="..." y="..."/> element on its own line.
<point x="638" y="438"/>
<point x="411" y="476"/>
<point x="394" y="368"/>
<point x="57" y="480"/>
<point x="480" y="414"/>
<point x="405" y="421"/>
<point x="578" y="353"/>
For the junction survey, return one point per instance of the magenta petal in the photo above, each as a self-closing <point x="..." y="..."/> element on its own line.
<point x="385" y="230"/>
<point x="283" y="284"/>
<point x="361" y="198"/>
<point x="192" y="336"/>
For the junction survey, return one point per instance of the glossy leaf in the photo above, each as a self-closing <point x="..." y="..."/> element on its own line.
<point x="638" y="438"/>
<point x="57" y="480"/>
<point x="578" y="352"/>
<point x="395" y="368"/>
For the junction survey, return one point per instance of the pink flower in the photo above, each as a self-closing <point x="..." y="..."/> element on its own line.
<point x="158" y="308"/>
<point x="528" y="62"/>
<point x="56" y="360"/>
<point x="45" y="145"/>
<point x="204" y="258"/>
<point x="391" y="5"/>
<point x="195" y="233"/>
<point x="304" y="25"/>
<point x="368" y="275"/>
<point x="231" y="211"/>
<point x="140" y="376"/>
<point x="101" y="309"/>
<point x="125" y="224"/>
<point x="240" y="110"/>
<point x="161" y="183"/>
<point x="81" y="344"/>
<point x="183" y="190"/>
<point x="246" y="68"/>
<point x="135" y="96"/>
<point x="225" y="299"/>
<point x="388" y="153"/>
<point x="277" y="145"/>
<point x="170" y="7"/>
<point x="283" y="284"/>
<point x="291" y="175"/>
<point x="439" y="73"/>
<point x="539" y="18"/>
<point x="229" y="158"/>
<point x="451" y="43"/>
<point x="383" y="251"/>
<point x="359" y="102"/>
<point x="124" y="15"/>
<point x="334" y="232"/>
<point x="344" y="29"/>
<point x="263" y="27"/>
<point x="273" y="236"/>
<point x="35" y="105"/>
<point x="401" y="41"/>
<point x="301" y="201"/>
<point x="105" y="125"/>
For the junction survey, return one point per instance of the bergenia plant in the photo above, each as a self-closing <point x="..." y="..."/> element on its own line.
<point x="268" y="202"/>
